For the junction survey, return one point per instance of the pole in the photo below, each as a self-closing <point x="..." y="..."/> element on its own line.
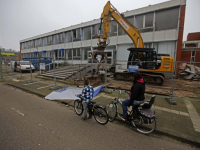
<point x="106" y="74"/>
<point x="20" y="68"/>
<point x="1" y="65"/>
<point x="31" y="71"/>
<point x="54" y="71"/>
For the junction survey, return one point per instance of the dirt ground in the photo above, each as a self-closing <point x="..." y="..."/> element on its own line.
<point x="182" y="88"/>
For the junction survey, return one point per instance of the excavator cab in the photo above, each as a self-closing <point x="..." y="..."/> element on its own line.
<point x="144" y="58"/>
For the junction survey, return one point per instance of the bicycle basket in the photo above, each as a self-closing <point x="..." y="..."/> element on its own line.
<point x="147" y="115"/>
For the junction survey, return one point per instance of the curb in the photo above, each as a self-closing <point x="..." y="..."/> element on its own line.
<point x="155" y="132"/>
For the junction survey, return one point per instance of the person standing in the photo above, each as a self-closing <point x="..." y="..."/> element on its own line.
<point x="87" y="94"/>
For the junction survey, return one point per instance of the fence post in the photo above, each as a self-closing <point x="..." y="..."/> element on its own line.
<point x="170" y="98"/>
<point x="54" y="67"/>
<point x="20" y="70"/>
<point x="5" y="66"/>
<point x="1" y="65"/>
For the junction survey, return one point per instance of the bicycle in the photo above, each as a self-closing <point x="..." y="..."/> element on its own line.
<point x="99" y="113"/>
<point x="141" y="116"/>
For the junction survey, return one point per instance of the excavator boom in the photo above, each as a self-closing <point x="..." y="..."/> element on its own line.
<point x="110" y="11"/>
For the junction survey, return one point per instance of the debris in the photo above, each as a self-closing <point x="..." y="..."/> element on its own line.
<point x="189" y="72"/>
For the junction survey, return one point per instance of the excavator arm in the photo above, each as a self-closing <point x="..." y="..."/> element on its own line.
<point x="110" y="11"/>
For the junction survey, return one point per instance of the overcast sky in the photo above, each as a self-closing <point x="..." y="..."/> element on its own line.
<point x="21" y="19"/>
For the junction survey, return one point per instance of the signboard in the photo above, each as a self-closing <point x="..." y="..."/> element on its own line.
<point x="133" y="69"/>
<point x="42" y="66"/>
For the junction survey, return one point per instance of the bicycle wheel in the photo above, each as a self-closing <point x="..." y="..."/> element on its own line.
<point x="111" y="111"/>
<point x="143" y="127"/>
<point x="78" y="107"/>
<point x="100" y="115"/>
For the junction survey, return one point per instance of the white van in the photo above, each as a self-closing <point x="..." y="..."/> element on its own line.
<point x="22" y="65"/>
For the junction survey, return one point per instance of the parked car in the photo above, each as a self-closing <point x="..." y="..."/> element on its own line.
<point x="22" y="65"/>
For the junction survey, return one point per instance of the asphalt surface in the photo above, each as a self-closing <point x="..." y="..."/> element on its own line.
<point x="31" y="122"/>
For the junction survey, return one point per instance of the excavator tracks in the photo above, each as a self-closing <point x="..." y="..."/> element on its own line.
<point x="151" y="78"/>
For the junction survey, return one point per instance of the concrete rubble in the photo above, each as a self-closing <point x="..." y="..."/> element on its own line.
<point x="189" y="71"/>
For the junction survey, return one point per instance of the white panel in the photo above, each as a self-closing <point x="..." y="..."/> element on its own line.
<point x="147" y="37"/>
<point x="167" y="47"/>
<point x="77" y="44"/>
<point x="61" y="46"/>
<point x="121" y="39"/>
<point x="49" y="48"/>
<point x="128" y="39"/>
<point x="68" y="45"/>
<point x="164" y="35"/>
<point x="94" y="42"/>
<point x="84" y="43"/>
<point x="113" y="40"/>
<point x="171" y="34"/>
<point x="122" y="52"/>
<point x="159" y="36"/>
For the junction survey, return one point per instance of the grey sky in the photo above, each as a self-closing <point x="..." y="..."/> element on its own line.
<point x="21" y="19"/>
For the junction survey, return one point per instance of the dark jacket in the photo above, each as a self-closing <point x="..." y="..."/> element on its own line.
<point x="137" y="92"/>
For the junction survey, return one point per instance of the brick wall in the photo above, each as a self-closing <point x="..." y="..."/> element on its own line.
<point x="193" y="36"/>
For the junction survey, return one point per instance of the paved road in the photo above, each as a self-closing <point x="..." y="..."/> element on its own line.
<point x="30" y="122"/>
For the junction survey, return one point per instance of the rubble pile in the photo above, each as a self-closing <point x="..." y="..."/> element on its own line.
<point x="189" y="71"/>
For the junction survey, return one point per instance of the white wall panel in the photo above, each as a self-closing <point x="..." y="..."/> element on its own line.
<point x="77" y="44"/>
<point x="122" y="52"/>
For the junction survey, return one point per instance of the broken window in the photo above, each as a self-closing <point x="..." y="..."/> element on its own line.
<point x="76" y="35"/>
<point x="167" y="19"/>
<point x="86" y="33"/>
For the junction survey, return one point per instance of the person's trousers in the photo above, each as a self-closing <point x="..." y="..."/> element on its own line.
<point x="85" y="106"/>
<point x="85" y="109"/>
<point x="125" y="105"/>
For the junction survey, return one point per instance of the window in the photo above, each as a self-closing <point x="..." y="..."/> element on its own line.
<point x="139" y="21"/>
<point x="61" y="38"/>
<point x="68" y="37"/>
<point x="113" y="28"/>
<point x="70" y="54"/>
<point x="76" y="35"/>
<point x="49" y="40"/>
<point x="193" y="57"/>
<point x="86" y="33"/>
<point x="167" y="19"/>
<point x="76" y="54"/>
<point x="95" y="30"/>
<point x="54" y="39"/>
<point x="149" y="20"/>
<point x="84" y="52"/>
<point x="44" y="41"/>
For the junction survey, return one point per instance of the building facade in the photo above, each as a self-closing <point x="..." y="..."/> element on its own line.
<point x="161" y="27"/>
<point x="191" y="49"/>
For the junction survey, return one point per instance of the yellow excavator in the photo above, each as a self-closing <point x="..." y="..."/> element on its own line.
<point x="153" y="66"/>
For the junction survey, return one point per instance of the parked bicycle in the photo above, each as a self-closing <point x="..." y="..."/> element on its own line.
<point x="141" y="116"/>
<point x="98" y="111"/>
